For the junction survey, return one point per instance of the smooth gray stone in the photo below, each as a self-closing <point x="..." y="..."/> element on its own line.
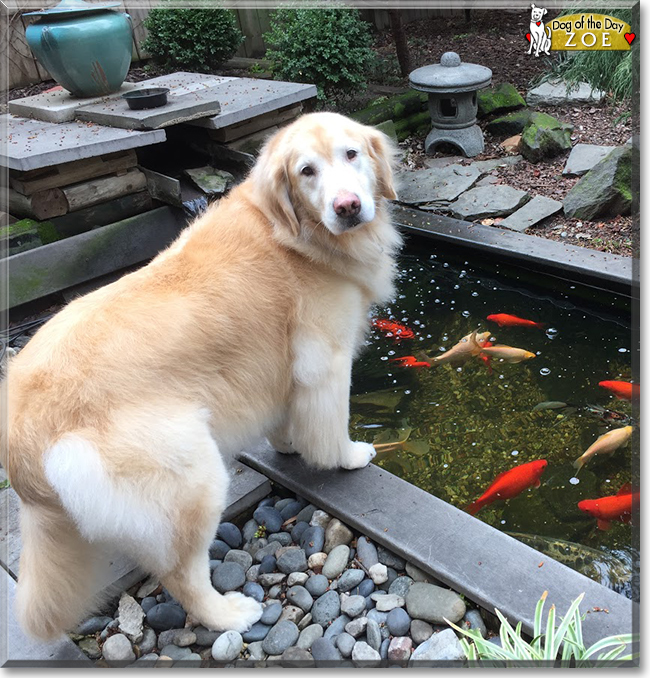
<point x="326" y="608"/>
<point x="228" y="577"/>
<point x="398" y="622"/>
<point x="357" y="626"/>
<point x="401" y="586"/>
<point x="308" y="635"/>
<point x="349" y="579"/>
<point x="367" y="552"/>
<point x="249" y="530"/>
<point x="179" y="637"/>
<point x="388" y="602"/>
<point x="320" y="518"/>
<point x="149" y="641"/>
<point x="390" y="559"/>
<point x="364" y="655"/>
<point x="296" y="657"/>
<point x="269" y="549"/>
<point x="345" y="642"/>
<point x="353" y="606"/>
<point x="488" y="201"/>
<point x="268" y="517"/>
<point x="297" y="579"/>
<point x="242" y="558"/>
<point x="204" y="637"/>
<point x="281" y="503"/>
<point x="298" y="530"/>
<point x="267" y="565"/>
<point x="417" y="574"/>
<point x="227" y="646"/>
<point x="271" y="614"/>
<point x="218" y="549"/>
<point x="317" y="585"/>
<point x="379" y="617"/>
<point x="391" y="577"/>
<point x="383" y="650"/>
<point x="300" y="596"/>
<point x="312" y="540"/>
<point x="147" y="603"/>
<point x="440" y="186"/>
<point x="271" y="579"/>
<point x="268" y="501"/>
<point x="293" y="560"/>
<point x="399" y="649"/>
<point x="117" y="650"/>
<point x="558" y="93"/>
<point x="254" y="591"/>
<point x="365" y="588"/>
<point x="484" y="166"/>
<point x="442" y="646"/>
<point x="534" y="211"/>
<point x="175" y="653"/>
<point x="305" y="621"/>
<point x="306" y="514"/>
<point x="337" y="627"/>
<point x="323" y="650"/>
<point x="292" y="613"/>
<point x="336" y="562"/>
<point x="166" y="616"/>
<point x="473" y="620"/>
<point x="420" y="631"/>
<point x="373" y="634"/>
<point x="283" y="537"/>
<point x="292" y="509"/>
<point x="336" y="534"/>
<point x="275" y="591"/>
<point x="231" y="534"/>
<point x="281" y="636"/>
<point x="93" y="625"/>
<point x="256" y="652"/>
<point x="434" y="604"/>
<point x="258" y="631"/>
<point x="583" y="157"/>
<point x="252" y="573"/>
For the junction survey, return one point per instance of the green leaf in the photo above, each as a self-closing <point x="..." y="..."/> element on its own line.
<point x="549" y="641"/>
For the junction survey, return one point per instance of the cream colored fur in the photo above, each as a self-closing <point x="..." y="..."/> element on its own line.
<point x="121" y="408"/>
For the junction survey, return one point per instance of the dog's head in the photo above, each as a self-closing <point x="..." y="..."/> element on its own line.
<point x="536" y="13"/>
<point x="324" y="169"/>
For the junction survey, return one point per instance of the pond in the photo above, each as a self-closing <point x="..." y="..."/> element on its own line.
<point x="457" y="427"/>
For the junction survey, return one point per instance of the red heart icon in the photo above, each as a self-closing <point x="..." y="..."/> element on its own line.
<point x="539" y="22"/>
<point x="629" y="37"/>
<point x="528" y="37"/>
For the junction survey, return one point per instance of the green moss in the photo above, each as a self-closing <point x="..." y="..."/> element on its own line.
<point x="501" y="98"/>
<point x="392" y="108"/>
<point x="18" y="228"/>
<point x="399" y="109"/>
<point x="47" y="232"/>
<point x="623" y="178"/>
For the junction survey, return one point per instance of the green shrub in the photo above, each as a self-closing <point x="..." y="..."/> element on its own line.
<point x="191" y="39"/>
<point x="327" y="47"/>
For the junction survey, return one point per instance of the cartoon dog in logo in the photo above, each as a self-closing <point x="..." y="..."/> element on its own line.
<point x="540" y="39"/>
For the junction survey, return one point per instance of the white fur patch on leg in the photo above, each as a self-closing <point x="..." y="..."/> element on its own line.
<point x="312" y="358"/>
<point x="103" y="508"/>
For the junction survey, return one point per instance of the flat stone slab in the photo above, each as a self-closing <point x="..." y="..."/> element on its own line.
<point x="484" y="166"/>
<point x="488" y="201"/>
<point x="585" y="156"/>
<point x="555" y="93"/>
<point x="191" y="95"/>
<point x="534" y="211"/>
<point x="57" y="106"/>
<point x="436" y="185"/>
<point x="246" y="98"/>
<point x="32" y="144"/>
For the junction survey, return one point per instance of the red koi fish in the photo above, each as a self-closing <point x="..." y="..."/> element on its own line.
<point x="486" y="358"/>
<point x="623" y="390"/>
<point x="409" y="361"/>
<point x="510" y="483"/>
<point x="507" y="320"/>
<point x="616" y="507"/>
<point x="393" y="329"/>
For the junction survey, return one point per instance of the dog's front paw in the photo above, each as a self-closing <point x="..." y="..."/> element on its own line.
<point x="359" y="455"/>
<point x="240" y="613"/>
<point x="281" y="445"/>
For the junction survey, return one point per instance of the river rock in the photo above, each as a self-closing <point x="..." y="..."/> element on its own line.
<point x="337" y="626"/>
<point x="336" y="534"/>
<point x="473" y="620"/>
<point x="254" y="591"/>
<point x="296" y="657"/>
<point x="353" y="606"/>
<point x="373" y="634"/>
<point x="242" y="558"/>
<point x="400" y="649"/>
<point x="268" y="517"/>
<point x="442" y="646"/>
<point x="93" y="625"/>
<point x="148" y="642"/>
<point x="363" y="655"/>
<point x="284" y="634"/>
<point x="283" y="537"/>
<point x="178" y="637"/>
<point x="231" y="534"/>
<point x="316" y="561"/>
<point x="227" y="646"/>
<point x="292" y="509"/>
<point x="488" y="201"/>
<point x="336" y="561"/>
<point x="400" y="586"/>
<point x="266" y="566"/>
<point x="387" y="602"/>
<point x="365" y="588"/>
<point x="503" y="97"/>
<point x="326" y="608"/>
<point x="218" y="549"/>
<point x="257" y="632"/>
<point x="166" y="616"/>
<point x="271" y="579"/>
<point x="292" y="613"/>
<point x="117" y="650"/>
<point x="228" y="576"/>
<point x="292" y="560"/>
<point x="269" y="549"/>
<point x="390" y="559"/>
<point x="176" y="653"/>
<point x="320" y="519"/>
<point x="434" y="604"/>
<point x="271" y="613"/>
<point x="312" y="540"/>
<point x="300" y="596"/>
<point x="305" y="515"/>
<point x="420" y="631"/>
<point x="204" y="637"/>
<point x="317" y="585"/>
<point x="398" y="622"/>
<point x="378" y="573"/>
<point x="417" y="574"/>
<point x="555" y="92"/>
<point x="349" y="579"/>
<point x="308" y="635"/>
<point x="298" y="530"/>
<point x="544" y="137"/>
<point x="323" y="650"/>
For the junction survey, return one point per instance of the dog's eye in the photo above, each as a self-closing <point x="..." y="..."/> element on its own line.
<point x="352" y="154"/>
<point x="307" y="171"/>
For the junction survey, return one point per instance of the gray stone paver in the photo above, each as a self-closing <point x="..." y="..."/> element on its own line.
<point x="534" y="211"/>
<point x="32" y="144"/>
<point x="488" y="201"/>
<point x="555" y="93"/>
<point x="585" y="156"/>
<point x="436" y="185"/>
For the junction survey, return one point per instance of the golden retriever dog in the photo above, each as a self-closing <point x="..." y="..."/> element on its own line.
<point x="122" y="407"/>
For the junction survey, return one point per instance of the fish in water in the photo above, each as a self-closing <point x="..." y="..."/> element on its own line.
<point x="507" y="320"/>
<point x="623" y="390"/>
<point x="469" y="346"/>
<point x="607" y="416"/>
<point x="606" y="444"/>
<point x="550" y="405"/>
<point x="510" y="483"/>
<point x="486" y="358"/>
<point x="393" y="329"/>
<point x="508" y="354"/>
<point x="409" y="361"/>
<point x="616" y="507"/>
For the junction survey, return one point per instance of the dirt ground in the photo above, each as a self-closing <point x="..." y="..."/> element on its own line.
<point x="495" y="39"/>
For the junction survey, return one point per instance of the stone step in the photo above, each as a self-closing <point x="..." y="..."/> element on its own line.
<point x="539" y="208"/>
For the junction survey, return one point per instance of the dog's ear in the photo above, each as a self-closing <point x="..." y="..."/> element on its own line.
<point x="270" y="181"/>
<point x="544" y="11"/>
<point x="532" y="6"/>
<point x="383" y="154"/>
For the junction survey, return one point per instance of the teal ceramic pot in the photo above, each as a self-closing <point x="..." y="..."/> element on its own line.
<point x="85" y="48"/>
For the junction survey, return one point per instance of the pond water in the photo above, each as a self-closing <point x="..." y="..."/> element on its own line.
<point x="462" y="426"/>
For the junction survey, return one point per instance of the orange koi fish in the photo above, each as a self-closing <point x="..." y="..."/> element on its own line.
<point x="508" y="354"/>
<point x="623" y="390"/>
<point x="393" y="329"/>
<point x="486" y="358"/>
<point x="510" y="483"/>
<point x="606" y="444"/>
<point x="469" y="346"/>
<point x="507" y="320"/>
<point x="613" y="507"/>
<point x="409" y="361"/>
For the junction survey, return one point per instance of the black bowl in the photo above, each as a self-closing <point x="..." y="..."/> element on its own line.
<point x="149" y="97"/>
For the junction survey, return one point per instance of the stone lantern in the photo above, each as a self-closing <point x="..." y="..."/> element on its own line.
<point x="452" y="86"/>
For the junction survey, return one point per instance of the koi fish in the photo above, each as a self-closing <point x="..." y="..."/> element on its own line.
<point x="409" y="361"/>
<point x="510" y="483"/>
<point x="550" y="405"/>
<point x="605" y="444"/>
<point x="469" y="346"/>
<point x="486" y="358"/>
<point x="623" y="390"/>
<point x="393" y="329"/>
<point x="508" y="354"/>
<point x="507" y="320"/>
<point x="607" y="416"/>
<point x="613" y="507"/>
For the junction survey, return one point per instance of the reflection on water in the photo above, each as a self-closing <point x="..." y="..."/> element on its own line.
<point x="451" y="430"/>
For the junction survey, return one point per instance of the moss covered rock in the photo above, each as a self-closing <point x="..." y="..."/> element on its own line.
<point x="496" y="99"/>
<point x="416" y="123"/>
<point x="393" y="108"/>
<point x="388" y="128"/>
<point x="606" y="189"/>
<point x="544" y="137"/>
<point x="27" y="233"/>
<point x="508" y="125"/>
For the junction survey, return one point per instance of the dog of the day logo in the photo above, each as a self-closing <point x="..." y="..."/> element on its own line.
<point x="577" y="32"/>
